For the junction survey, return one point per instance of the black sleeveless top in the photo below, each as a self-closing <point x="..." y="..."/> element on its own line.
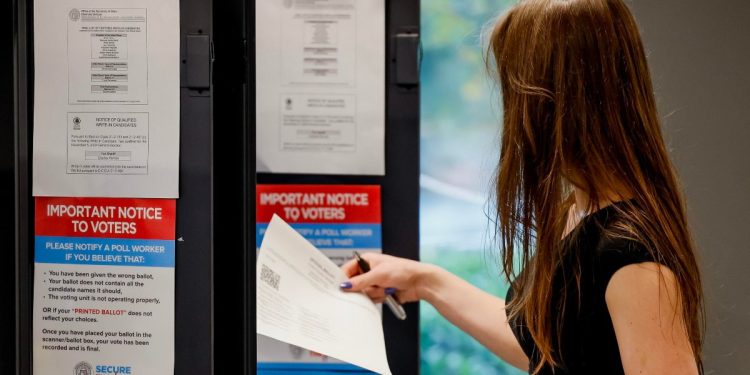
<point x="587" y="342"/>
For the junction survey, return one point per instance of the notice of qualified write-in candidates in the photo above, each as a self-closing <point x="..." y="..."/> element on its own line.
<point x="106" y="98"/>
<point x="320" y="86"/>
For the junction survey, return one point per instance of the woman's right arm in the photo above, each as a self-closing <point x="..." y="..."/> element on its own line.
<point x="474" y="311"/>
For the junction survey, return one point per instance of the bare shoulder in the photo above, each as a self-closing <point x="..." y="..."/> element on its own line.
<point x="643" y="302"/>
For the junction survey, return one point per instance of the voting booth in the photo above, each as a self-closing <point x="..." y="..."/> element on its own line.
<point x="339" y="119"/>
<point x="153" y="142"/>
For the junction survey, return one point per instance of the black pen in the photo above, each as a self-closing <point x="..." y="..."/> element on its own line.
<point x="391" y="302"/>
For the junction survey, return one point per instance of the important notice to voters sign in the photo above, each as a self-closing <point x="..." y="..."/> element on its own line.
<point x="104" y="286"/>
<point x="337" y="219"/>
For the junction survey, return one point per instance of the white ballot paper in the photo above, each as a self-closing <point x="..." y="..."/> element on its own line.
<point x="299" y="302"/>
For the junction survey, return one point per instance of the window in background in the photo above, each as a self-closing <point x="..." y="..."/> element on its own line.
<point x="459" y="147"/>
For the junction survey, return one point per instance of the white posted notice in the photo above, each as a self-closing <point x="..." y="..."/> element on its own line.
<point x="299" y="302"/>
<point x="320" y="86"/>
<point x="106" y="104"/>
<point x="104" y="286"/>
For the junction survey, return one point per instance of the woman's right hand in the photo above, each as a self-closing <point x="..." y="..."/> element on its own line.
<point x="388" y="275"/>
<point x="478" y="313"/>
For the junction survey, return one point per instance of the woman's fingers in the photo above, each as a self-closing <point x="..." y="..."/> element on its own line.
<point x="351" y="268"/>
<point x="362" y="281"/>
<point x="378" y="294"/>
<point x="374" y="292"/>
<point x="383" y="269"/>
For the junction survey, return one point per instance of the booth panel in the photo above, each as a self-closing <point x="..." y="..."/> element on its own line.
<point x="399" y="186"/>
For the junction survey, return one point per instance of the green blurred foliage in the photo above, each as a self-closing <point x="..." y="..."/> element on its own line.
<point x="445" y="348"/>
<point x="460" y="103"/>
<point x="455" y="82"/>
<point x="459" y="111"/>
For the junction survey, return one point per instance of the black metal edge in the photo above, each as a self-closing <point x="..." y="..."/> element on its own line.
<point x="8" y="190"/>
<point x="229" y="193"/>
<point x="194" y="314"/>
<point x="251" y="357"/>
<point x="23" y="120"/>
<point x="401" y="184"/>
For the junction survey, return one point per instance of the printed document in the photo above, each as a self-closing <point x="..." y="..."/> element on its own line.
<point x="299" y="302"/>
<point x="320" y="83"/>
<point x="106" y="98"/>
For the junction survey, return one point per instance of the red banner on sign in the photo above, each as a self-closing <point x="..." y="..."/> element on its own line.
<point x="318" y="203"/>
<point x="105" y="217"/>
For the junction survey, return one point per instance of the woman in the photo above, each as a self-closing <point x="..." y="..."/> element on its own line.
<point x="594" y="237"/>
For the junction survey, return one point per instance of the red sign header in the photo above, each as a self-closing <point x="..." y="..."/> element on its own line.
<point x="318" y="203"/>
<point x="105" y="217"/>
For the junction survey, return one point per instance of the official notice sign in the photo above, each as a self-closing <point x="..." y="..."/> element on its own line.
<point x="106" y="98"/>
<point x="336" y="219"/>
<point x="104" y="286"/>
<point x="320" y="84"/>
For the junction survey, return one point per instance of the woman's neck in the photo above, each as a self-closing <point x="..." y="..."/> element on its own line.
<point x="584" y="205"/>
<point x="579" y="209"/>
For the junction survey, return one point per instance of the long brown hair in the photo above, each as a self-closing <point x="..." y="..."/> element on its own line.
<point x="579" y="109"/>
